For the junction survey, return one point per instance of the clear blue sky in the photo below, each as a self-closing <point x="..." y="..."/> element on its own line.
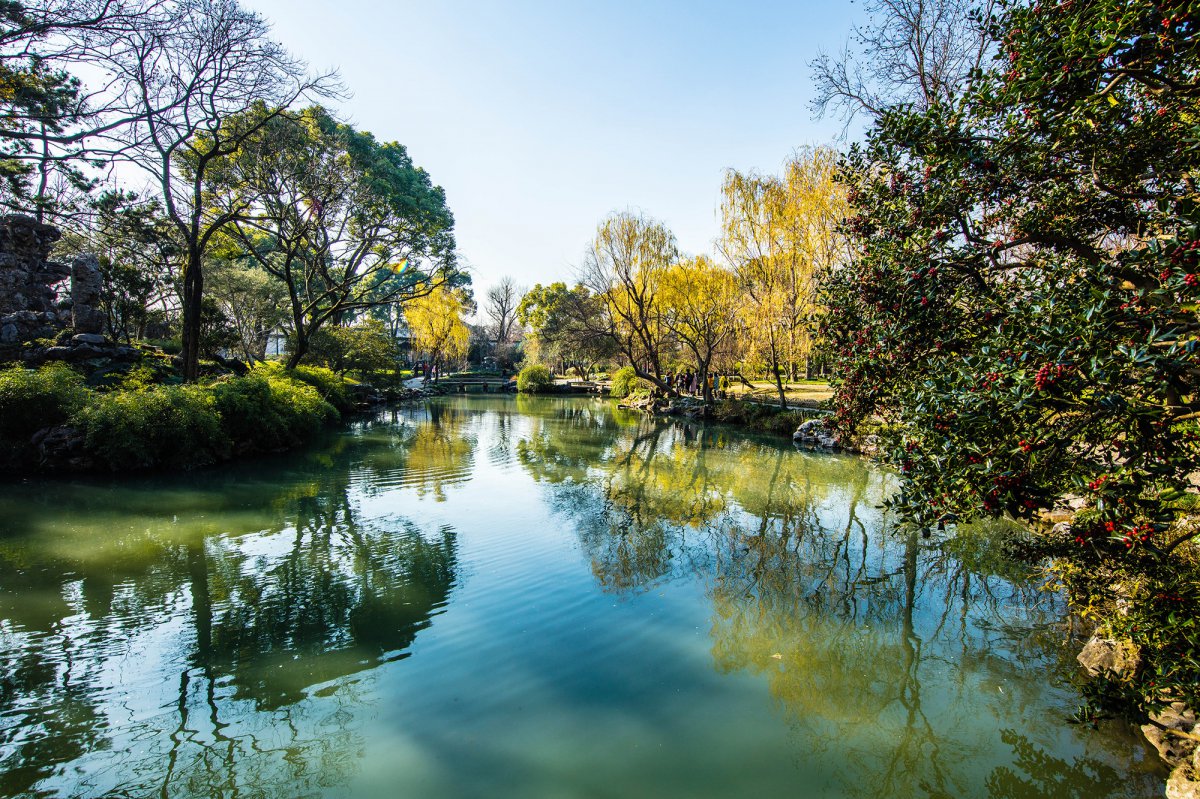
<point x="539" y="118"/>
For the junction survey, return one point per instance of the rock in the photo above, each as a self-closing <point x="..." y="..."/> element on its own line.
<point x="1056" y="516"/>
<point x="1160" y="732"/>
<point x="86" y="286"/>
<point x="89" y="338"/>
<point x="81" y="352"/>
<point x="1107" y="656"/>
<point x="27" y="279"/>
<point x="809" y="429"/>
<point x="365" y="396"/>
<point x="813" y="433"/>
<point x="1183" y="784"/>
<point x="61" y="446"/>
<point x="57" y="354"/>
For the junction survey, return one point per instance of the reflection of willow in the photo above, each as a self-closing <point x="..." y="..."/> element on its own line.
<point x="563" y="439"/>
<point x="852" y="624"/>
<point x="299" y="594"/>
<point x="649" y="499"/>
<point x="638" y="513"/>
<point x="840" y="621"/>
<point x="429" y="450"/>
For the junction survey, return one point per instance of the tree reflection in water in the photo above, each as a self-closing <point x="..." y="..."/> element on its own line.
<point x="301" y="598"/>
<point x="813" y="588"/>
<point x="224" y="638"/>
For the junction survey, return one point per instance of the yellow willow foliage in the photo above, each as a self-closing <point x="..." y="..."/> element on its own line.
<point x="700" y="305"/>
<point x="625" y="267"/>
<point x="780" y="232"/>
<point x="437" y="326"/>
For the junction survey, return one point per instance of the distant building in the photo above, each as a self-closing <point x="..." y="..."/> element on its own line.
<point x="276" y="343"/>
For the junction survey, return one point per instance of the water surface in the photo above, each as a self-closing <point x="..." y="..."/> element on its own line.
<point x="534" y="598"/>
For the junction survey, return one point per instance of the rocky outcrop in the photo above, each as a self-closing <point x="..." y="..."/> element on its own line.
<point x="61" y="448"/>
<point x="83" y="347"/>
<point x="28" y="297"/>
<point x="688" y="407"/>
<point x="1170" y="732"/>
<point x="1110" y="658"/>
<point x="1184" y="783"/>
<point x="1173" y="732"/>
<point x="813" y="433"/>
<point x="87" y="317"/>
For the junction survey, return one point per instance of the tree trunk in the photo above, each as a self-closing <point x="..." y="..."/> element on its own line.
<point x="706" y="389"/>
<point x="193" y="293"/>
<point x="300" y="351"/>
<point x="656" y="380"/>
<point x="775" y="370"/>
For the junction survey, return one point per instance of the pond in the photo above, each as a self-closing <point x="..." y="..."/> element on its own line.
<point x="491" y="596"/>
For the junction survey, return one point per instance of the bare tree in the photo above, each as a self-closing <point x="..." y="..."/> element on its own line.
<point x="910" y="52"/>
<point x="200" y="63"/>
<point x="50" y="121"/>
<point x="501" y="308"/>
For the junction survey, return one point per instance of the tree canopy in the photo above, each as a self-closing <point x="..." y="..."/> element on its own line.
<point x="1021" y="305"/>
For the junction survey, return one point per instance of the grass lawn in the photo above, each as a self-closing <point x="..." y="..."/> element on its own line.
<point x="802" y="390"/>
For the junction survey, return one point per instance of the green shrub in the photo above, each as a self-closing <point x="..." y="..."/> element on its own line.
<point x="534" y="379"/>
<point x="624" y="383"/>
<point x="269" y="412"/>
<point x="33" y="399"/>
<point x="174" y="427"/>
<point x="332" y="387"/>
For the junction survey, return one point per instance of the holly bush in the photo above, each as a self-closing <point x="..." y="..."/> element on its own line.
<point x="1021" y="308"/>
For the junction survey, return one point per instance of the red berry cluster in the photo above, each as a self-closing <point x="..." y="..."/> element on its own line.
<point x="1048" y="373"/>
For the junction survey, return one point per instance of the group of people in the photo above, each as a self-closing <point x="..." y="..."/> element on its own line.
<point x="691" y="383"/>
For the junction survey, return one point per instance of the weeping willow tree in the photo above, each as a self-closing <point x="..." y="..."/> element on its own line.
<point x="439" y="333"/>
<point x="779" y="232"/>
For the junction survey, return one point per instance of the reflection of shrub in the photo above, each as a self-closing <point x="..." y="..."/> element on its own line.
<point x="175" y="427"/>
<point x="31" y="400"/>
<point x="624" y="382"/>
<point x="534" y="379"/>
